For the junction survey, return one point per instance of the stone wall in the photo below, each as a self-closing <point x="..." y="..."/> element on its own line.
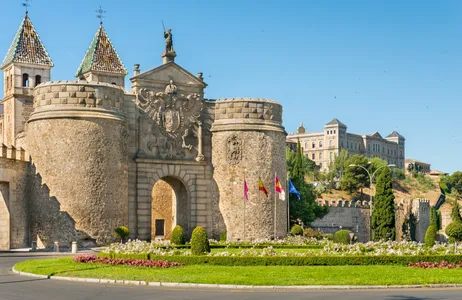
<point x="347" y="215"/>
<point x="162" y="200"/>
<point x="249" y="140"/>
<point x="77" y="138"/>
<point x="13" y="200"/>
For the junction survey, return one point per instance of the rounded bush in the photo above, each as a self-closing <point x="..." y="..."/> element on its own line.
<point x="296" y="230"/>
<point x="311" y="233"/>
<point x="122" y="231"/>
<point x="330" y="236"/>
<point x="223" y="237"/>
<point x="178" y="237"/>
<point x="342" y="237"/>
<point x="199" y="241"/>
<point x="430" y="236"/>
<point x="454" y="230"/>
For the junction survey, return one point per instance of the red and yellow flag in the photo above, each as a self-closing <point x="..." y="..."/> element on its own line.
<point x="278" y="185"/>
<point x="261" y="187"/>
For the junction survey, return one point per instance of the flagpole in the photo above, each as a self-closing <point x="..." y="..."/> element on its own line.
<point x="288" y="203"/>
<point x="275" y="193"/>
<point x="245" y="200"/>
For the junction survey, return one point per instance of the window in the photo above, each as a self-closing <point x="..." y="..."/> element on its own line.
<point x="320" y="144"/>
<point x="320" y="155"/>
<point x="38" y="80"/>
<point x="348" y="144"/>
<point x="160" y="227"/>
<point x="355" y="146"/>
<point x="25" y="80"/>
<point x="334" y="131"/>
<point x="331" y="143"/>
<point x="306" y="145"/>
<point x="312" y="156"/>
<point x="369" y="148"/>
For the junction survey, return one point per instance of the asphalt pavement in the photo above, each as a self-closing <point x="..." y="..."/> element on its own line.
<point x="16" y="287"/>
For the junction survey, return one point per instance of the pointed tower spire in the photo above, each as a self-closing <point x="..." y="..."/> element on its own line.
<point x="101" y="62"/>
<point x="27" y="47"/>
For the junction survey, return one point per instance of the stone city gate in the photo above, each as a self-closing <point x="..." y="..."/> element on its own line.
<point x="180" y="200"/>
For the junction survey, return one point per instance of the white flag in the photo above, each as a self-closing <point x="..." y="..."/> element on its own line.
<point x="282" y="195"/>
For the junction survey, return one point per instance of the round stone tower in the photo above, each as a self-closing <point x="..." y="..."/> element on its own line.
<point x="77" y="139"/>
<point x="249" y="141"/>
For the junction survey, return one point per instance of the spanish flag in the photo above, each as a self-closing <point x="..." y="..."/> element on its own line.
<point x="278" y="185"/>
<point x="261" y="187"/>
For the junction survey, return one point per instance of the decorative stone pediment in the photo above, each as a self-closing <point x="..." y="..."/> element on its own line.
<point x="166" y="72"/>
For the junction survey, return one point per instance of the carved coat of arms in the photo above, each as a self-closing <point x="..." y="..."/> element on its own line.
<point x="175" y="117"/>
<point x="233" y="150"/>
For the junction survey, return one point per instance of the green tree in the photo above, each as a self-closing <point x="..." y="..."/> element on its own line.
<point x="383" y="216"/>
<point x="435" y="218"/>
<point x="456" y="181"/>
<point x="306" y="209"/>
<point x="355" y="178"/>
<point x="338" y="166"/>
<point x="455" y="212"/>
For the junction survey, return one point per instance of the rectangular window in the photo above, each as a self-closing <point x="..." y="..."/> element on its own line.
<point x="160" y="227"/>
<point x="312" y="156"/>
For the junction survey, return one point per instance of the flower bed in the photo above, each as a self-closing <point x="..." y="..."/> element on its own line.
<point x="90" y="258"/>
<point x="432" y="265"/>
<point x="302" y="247"/>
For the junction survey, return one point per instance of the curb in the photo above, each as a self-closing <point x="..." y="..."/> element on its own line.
<point x="239" y="287"/>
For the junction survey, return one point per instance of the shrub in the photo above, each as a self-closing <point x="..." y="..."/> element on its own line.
<point x="199" y="241"/>
<point x="455" y="212"/>
<point x="330" y="236"/>
<point x="311" y="233"/>
<point x="223" y="237"/>
<point x="178" y="237"/>
<point x="342" y="237"/>
<point x="430" y="236"/>
<point x="454" y="230"/>
<point x="122" y="231"/>
<point x="296" y="230"/>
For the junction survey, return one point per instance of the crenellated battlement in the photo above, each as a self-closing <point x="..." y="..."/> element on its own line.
<point x="343" y="203"/>
<point x="13" y="153"/>
<point x="76" y="99"/>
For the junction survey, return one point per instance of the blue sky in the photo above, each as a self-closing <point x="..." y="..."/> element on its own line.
<point x="374" y="65"/>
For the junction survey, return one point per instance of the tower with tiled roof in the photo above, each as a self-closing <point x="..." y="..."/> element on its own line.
<point x="26" y="65"/>
<point x="101" y="62"/>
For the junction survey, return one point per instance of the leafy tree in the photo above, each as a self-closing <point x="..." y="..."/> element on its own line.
<point x="375" y="164"/>
<point x="383" y="215"/>
<point x="430" y="236"/>
<point x="306" y="209"/>
<point x="307" y="165"/>
<point x="355" y="178"/>
<point x="337" y="167"/>
<point x="455" y="213"/>
<point x="456" y="181"/>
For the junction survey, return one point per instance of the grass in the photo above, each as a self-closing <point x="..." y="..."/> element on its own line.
<point x="261" y="275"/>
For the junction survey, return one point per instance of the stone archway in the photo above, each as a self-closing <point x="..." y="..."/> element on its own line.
<point x="170" y="207"/>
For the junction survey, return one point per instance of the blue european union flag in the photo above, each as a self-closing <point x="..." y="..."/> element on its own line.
<point x="293" y="190"/>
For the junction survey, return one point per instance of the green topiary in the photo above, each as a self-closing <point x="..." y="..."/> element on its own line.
<point x="454" y="230"/>
<point x="199" y="241"/>
<point x="330" y="236"/>
<point x="342" y="237"/>
<point x="223" y="237"/>
<point x="178" y="237"/>
<point x="122" y="231"/>
<point x="296" y="230"/>
<point x="311" y="233"/>
<point x="430" y="236"/>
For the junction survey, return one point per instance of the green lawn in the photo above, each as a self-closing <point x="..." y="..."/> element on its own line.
<point x="261" y="275"/>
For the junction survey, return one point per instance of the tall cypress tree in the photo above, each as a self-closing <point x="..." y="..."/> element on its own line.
<point x="298" y="173"/>
<point x="383" y="215"/>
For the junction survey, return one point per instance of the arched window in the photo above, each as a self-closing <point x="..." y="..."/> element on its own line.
<point x="331" y="143"/>
<point x="38" y="80"/>
<point x="320" y="144"/>
<point x="313" y="145"/>
<point x="306" y="145"/>
<point x="25" y="80"/>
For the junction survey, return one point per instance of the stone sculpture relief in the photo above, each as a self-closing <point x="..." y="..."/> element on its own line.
<point x="233" y="150"/>
<point x="176" y="121"/>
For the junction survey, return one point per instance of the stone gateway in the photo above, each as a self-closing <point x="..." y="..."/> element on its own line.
<point x="80" y="158"/>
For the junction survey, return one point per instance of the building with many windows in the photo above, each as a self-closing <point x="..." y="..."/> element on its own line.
<point x="323" y="147"/>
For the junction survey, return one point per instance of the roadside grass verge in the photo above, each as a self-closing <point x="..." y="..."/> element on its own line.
<point x="248" y="275"/>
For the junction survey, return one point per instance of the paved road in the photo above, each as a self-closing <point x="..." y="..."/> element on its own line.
<point x="15" y="287"/>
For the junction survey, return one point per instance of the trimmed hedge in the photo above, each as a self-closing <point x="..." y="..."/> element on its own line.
<point x="430" y="236"/>
<point x="342" y="237"/>
<point x="295" y="260"/>
<point x="178" y="236"/>
<point x="248" y="246"/>
<point x="199" y="241"/>
<point x="296" y="230"/>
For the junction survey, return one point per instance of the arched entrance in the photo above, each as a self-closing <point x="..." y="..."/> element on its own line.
<point x="170" y="207"/>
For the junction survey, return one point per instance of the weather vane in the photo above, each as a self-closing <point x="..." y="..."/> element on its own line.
<point x="100" y="14"/>
<point x="26" y="5"/>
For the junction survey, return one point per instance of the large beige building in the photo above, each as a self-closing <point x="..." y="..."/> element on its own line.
<point x="323" y="147"/>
